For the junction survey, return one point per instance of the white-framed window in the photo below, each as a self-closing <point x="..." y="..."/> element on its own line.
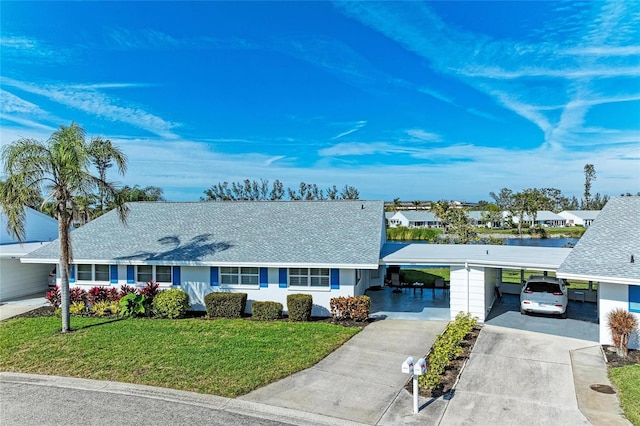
<point x="309" y="277"/>
<point x="159" y="273"/>
<point x="88" y="272"/>
<point x="163" y="274"/>
<point x="232" y="275"/>
<point x="102" y="273"/>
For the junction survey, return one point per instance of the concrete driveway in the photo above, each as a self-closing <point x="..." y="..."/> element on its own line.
<point x="360" y="381"/>
<point x="582" y="322"/>
<point x="517" y="377"/>
<point x="11" y="308"/>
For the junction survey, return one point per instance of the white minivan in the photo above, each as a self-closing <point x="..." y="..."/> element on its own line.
<point x="544" y="295"/>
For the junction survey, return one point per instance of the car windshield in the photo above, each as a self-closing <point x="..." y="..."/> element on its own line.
<point x="543" y="287"/>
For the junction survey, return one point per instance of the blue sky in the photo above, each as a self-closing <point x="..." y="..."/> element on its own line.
<point x="441" y="100"/>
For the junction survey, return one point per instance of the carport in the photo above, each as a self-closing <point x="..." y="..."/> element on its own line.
<point x="475" y="269"/>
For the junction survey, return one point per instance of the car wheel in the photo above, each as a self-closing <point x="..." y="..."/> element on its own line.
<point x="522" y="312"/>
<point x="563" y="315"/>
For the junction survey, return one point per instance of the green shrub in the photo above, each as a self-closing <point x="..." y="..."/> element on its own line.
<point x="299" y="307"/>
<point x="172" y="303"/>
<point x="114" y="307"/>
<point x="226" y="305"/>
<point x="77" y="308"/>
<point x="447" y="347"/>
<point x="356" y="308"/>
<point x="102" y="309"/>
<point x="266" y="311"/>
<point x="133" y="305"/>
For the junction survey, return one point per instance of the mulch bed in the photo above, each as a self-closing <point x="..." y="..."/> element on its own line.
<point x="48" y="311"/>
<point x="614" y="360"/>
<point x="450" y="376"/>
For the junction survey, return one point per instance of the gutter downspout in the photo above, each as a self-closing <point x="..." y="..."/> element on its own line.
<point x="466" y="267"/>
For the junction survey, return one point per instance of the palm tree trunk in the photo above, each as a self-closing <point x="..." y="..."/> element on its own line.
<point x="65" y="260"/>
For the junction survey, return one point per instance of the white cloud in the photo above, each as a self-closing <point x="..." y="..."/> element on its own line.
<point x="511" y="72"/>
<point x="94" y="102"/>
<point x="357" y="126"/>
<point x="422" y="135"/>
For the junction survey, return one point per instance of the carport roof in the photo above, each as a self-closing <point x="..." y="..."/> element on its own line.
<point x="542" y="258"/>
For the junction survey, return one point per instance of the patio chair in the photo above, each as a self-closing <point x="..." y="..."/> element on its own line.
<point x="439" y="283"/>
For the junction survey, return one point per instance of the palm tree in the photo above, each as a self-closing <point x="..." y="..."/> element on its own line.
<point x="102" y="154"/>
<point x="60" y="168"/>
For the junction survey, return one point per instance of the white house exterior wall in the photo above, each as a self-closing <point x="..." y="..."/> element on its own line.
<point x="195" y="281"/>
<point x="612" y="296"/>
<point x="20" y="279"/>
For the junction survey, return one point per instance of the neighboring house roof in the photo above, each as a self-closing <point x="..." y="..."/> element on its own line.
<point x="389" y="215"/>
<point x="418" y="216"/>
<point x="581" y="214"/>
<point x="342" y="233"/>
<point x="604" y="251"/>
<point x="8" y="251"/>
<point x="38" y="227"/>
<point x="545" y="215"/>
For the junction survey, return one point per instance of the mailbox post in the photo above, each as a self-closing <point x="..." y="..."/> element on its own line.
<point x="417" y="369"/>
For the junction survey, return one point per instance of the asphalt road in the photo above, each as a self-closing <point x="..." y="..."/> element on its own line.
<point x="33" y="404"/>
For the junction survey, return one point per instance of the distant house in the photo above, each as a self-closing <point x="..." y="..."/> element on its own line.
<point x="17" y="279"/>
<point x="543" y="218"/>
<point x="579" y="217"/>
<point x="414" y="219"/>
<point x="265" y="249"/>
<point x="609" y="253"/>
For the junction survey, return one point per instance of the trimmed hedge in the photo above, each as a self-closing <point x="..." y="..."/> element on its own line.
<point x="446" y="348"/>
<point x="172" y="303"/>
<point x="266" y="311"/>
<point x="225" y="305"/>
<point x="299" y="307"/>
<point x="355" y="308"/>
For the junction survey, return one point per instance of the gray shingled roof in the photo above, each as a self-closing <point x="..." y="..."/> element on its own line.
<point x="339" y="233"/>
<point x="604" y="251"/>
<point x="582" y="214"/>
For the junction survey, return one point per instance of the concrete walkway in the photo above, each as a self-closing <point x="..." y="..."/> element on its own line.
<point x="360" y="381"/>
<point x="11" y="308"/>
<point x="589" y="368"/>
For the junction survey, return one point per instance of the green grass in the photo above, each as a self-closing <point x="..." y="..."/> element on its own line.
<point x="429" y="275"/>
<point x="567" y="231"/>
<point x="627" y="381"/>
<point x="513" y="276"/>
<point x="424" y="275"/>
<point x="221" y="357"/>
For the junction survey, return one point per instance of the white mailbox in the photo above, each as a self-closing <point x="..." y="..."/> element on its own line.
<point x="407" y="366"/>
<point x="420" y="367"/>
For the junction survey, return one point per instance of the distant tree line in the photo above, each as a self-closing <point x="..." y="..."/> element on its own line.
<point x="252" y="190"/>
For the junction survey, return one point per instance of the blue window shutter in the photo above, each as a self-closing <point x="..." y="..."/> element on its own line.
<point x="335" y="279"/>
<point x="72" y="274"/>
<point x="176" y="275"/>
<point x="634" y="298"/>
<point x="282" y="278"/>
<point x="264" y="277"/>
<point x="131" y="274"/>
<point x="213" y="276"/>
<point x="113" y="274"/>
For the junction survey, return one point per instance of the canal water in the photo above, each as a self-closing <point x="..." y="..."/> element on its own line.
<point x="542" y="242"/>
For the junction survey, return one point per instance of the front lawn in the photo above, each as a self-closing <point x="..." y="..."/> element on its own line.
<point x="221" y="357"/>
<point x="627" y="381"/>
